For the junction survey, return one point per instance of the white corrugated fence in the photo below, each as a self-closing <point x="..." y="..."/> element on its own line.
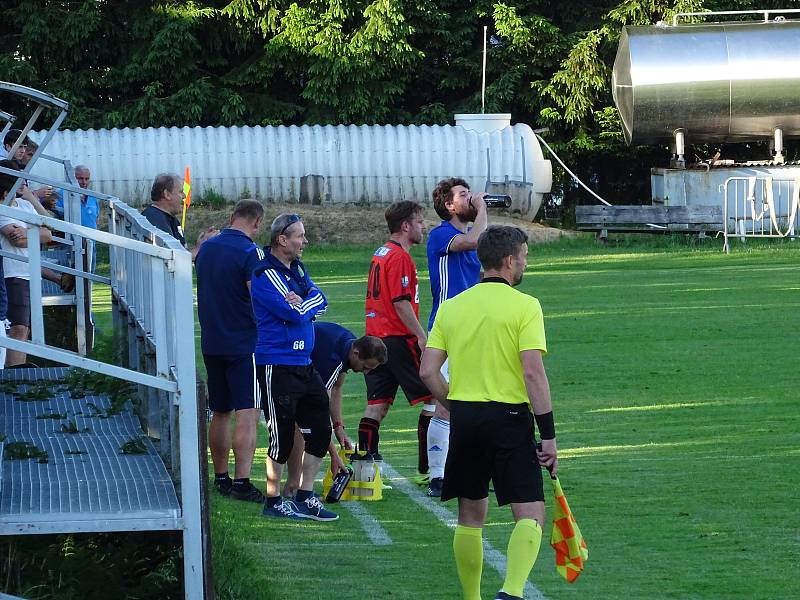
<point x="310" y="164"/>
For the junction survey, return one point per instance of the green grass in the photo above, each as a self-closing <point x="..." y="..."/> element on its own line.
<point x="674" y="374"/>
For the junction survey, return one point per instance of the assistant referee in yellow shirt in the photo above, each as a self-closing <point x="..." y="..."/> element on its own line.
<point x="493" y="336"/>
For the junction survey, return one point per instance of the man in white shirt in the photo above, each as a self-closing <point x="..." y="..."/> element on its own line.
<point x="14" y="239"/>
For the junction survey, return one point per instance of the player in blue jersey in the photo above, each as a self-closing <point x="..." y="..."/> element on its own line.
<point x="453" y="267"/>
<point x="224" y="265"/>
<point x="336" y="351"/>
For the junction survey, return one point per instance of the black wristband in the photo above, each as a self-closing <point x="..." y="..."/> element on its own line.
<point x="546" y="426"/>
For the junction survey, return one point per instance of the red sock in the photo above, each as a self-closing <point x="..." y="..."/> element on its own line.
<point x="368" y="435"/>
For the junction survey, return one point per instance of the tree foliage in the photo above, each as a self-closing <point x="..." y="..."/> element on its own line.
<point x="236" y="62"/>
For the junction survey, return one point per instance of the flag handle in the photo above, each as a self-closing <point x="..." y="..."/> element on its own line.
<point x="549" y="469"/>
<point x="183" y="218"/>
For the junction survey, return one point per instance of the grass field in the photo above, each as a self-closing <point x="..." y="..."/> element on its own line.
<point x="674" y="375"/>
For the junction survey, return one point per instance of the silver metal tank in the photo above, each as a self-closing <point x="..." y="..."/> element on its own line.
<point x="730" y="82"/>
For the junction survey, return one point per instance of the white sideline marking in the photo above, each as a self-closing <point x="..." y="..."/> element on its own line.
<point x="492" y="556"/>
<point x="376" y="534"/>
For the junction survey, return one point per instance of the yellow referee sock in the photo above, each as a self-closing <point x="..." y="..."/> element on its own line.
<point x="523" y="548"/>
<point x="468" y="548"/>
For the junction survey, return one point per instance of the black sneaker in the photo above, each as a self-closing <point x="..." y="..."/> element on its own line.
<point x="501" y="595"/>
<point x="247" y="492"/>
<point x="435" y="487"/>
<point x="223" y="486"/>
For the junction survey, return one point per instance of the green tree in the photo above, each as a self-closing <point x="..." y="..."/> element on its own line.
<point x="236" y="62"/>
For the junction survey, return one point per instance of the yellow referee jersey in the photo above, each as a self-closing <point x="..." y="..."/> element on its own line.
<point x="483" y="330"/>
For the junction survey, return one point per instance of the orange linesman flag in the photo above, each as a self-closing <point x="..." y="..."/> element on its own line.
<point x="187" y="192"/>
<point x="566" y="539"/>
<point x="187" y="188"/>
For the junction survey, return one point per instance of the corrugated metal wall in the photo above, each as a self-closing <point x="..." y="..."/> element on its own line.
<point x="306" y="164"/>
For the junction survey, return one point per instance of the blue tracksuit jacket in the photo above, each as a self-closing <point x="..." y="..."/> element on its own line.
<point x="285" y="332"/>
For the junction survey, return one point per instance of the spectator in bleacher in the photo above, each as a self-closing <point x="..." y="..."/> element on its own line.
<point x="53" y="204"/>
<point x="90" y="207"/>
<point x="30" y="150"/>
<point x="166" y="205"/>
<point x="14" y="239"/>
<point x="228" y="339"/>
<point x="6" y="181"/>
<point x="19" y="155"/>
<point x="21" y="158"/>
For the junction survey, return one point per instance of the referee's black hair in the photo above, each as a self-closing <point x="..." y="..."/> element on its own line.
<point x="370" y="347"/>
<point x="442" y="193"/>
<point x="497" y="242"/>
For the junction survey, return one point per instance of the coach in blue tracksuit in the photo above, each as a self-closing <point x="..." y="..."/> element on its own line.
<point x="285" y="303"/>
<point x="225" y="264"/>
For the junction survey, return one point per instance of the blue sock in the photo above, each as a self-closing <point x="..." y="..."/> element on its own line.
<point x="303" y="495"/>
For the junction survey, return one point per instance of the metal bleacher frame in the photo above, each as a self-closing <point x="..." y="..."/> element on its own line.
<point x="152" y="304"/>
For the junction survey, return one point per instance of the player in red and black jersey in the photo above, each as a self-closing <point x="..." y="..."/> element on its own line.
<point x="392" y="314"/>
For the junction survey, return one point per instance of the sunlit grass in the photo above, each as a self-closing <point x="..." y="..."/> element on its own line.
<point x="673" y="373"/>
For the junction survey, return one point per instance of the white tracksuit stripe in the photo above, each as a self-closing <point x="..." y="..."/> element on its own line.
<point x="276" y="280"/>
<point x="443" y="281"/>
<point x="256" y="387"/>
<point x="273" y="422"/>
<point x="280" y="285"/>
<point x="309" y="304"/>
<point x="333" y="377"/>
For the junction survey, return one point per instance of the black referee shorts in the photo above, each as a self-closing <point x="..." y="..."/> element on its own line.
<point x="492" y="441"/>
<point x="290" y="395"/>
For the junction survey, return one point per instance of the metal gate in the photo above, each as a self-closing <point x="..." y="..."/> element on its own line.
<point x="760" y="207"/>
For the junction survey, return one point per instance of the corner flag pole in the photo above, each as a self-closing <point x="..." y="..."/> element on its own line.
<point x="187" y="190"/>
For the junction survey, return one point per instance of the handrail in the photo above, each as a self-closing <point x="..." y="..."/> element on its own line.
<point x="165" y="251"/>
<point x="30" y="93"/>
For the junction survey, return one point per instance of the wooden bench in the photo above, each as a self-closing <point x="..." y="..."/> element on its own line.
<point x="648" y="219"/>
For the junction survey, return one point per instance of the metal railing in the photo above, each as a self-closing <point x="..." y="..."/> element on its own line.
<point x="153" y="310"/>
<point x="152" y="297"/>
<point x="716" y="13"/>
<point x="760" y="207"/>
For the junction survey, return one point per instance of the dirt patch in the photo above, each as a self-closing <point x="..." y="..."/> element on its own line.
<point x="351" y="224"/>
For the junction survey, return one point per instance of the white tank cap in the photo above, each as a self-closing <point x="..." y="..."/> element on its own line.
<point x="483" y="123"/>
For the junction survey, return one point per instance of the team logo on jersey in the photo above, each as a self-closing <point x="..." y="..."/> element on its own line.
<point x="404" y="281"/>
<point x="382" y="251"/>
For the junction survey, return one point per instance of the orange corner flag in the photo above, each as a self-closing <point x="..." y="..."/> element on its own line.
<point x="566" y="539"/>
<point x="187" y="192"/>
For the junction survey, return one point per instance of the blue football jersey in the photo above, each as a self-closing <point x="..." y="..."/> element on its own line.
<point x="332" y="345"/>
<point x="451" y="272"/>
<point x="224" y="266"/>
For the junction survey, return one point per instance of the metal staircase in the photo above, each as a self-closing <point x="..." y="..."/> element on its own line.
<point x="152" y="300"/>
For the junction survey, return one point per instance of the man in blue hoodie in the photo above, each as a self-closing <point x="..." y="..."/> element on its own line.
<point x="285" y="303"/>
